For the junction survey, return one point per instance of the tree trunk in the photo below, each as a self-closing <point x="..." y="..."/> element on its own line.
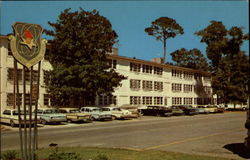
<point x="164" y="58"/>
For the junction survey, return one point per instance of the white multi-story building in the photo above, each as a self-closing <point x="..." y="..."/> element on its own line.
<point x="154" y="83"/>
<point x="147" y="83"/>
<point x="7" y="78"/>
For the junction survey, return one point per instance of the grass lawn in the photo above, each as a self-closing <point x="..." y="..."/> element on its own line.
<point x="89" y="153"/>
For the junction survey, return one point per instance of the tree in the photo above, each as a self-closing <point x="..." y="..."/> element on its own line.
<point x="191" y="59"/>
<point x="81" y="71"/>
<point x="164" y="28"/>
<point x="229" y="64"/>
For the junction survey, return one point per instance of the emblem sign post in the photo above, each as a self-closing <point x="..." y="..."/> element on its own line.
<point x="28" y="50"/>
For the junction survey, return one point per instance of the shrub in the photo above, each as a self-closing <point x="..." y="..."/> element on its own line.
<point x="101" y="157"/>
<point x="56" y="155"/>
<point x="9" y="155"/>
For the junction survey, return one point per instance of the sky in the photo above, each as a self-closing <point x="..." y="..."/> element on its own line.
<point x="130" y="18"/>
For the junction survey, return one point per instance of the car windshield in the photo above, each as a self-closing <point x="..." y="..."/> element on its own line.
<point x="96" y="109"/>
<point x="116" y="109"/>
<point x="51" y="111"/>
<point x="105" y="109"/>
<point x="62" y="111"/>
<point x="21" y="113"/>
<point x="74" y="111"/>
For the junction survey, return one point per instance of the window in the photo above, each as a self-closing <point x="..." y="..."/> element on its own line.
<point x="147" y="85"/>
<point x="146" y="69"/>
<point x="195" y="100"/>
<point x="10" y="99"/>
<point x="27" y="100"/>
<point x="188" y="75"/>
<point x="35" y="76"/>
<point x="207" y="78"/>
<point x="207" y="89"/>
<point x="11" y="74"/>
<point x="197" y="76"/>
<point x="7" y="112"/>
<point x="188" y="88"/>
<point x="176" y="73"/>
<point x="46" y="77"/>
<point x="158" y="70"/>
<point x="134" y="67"/>
<point x="176" y="100"/>
<point x="158" y="100"/>
<point x="198" y="88"/>
<point x="107" y="100"/>
<point x="46" y="99"/>
<point x="158" y="86"/>
<point x="135" y="100"/>
<point x="176" y="87"/>
<point x="135" y="84"/>
<point x="147" y="100"/>
<point x="9" y="50"/>
<point x="112" y="63"/>
<point x="188" y="100"/>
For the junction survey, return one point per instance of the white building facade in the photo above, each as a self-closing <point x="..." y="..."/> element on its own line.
<point x="147" y="83"/>
<point x="7" y="79"/>
<point x="152" y="83"/>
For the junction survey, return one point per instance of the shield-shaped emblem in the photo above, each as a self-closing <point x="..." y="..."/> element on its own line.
<point x="26" y="45"/>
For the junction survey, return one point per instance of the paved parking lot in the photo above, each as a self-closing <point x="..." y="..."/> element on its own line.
<point x="200" y="134"/>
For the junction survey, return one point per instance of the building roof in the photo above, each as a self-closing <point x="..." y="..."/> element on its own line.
<point x="168" y="66"/>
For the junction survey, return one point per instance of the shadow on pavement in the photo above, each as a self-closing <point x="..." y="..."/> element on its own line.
<point x="239" y="149"/>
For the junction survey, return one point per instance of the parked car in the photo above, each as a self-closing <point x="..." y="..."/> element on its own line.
<point x="74" y="115"/>
<point x="157" y="111"/>
<point x="202" y="109"/>
<point x="133" y="109"/>
<point x="211" y="108"/>
<point x="96" y="113"/>
<point x="10" y="116"/>
<point x="176" y="111"/>
<point x="188" y="109"/>
<point x="220" y="109"/>
<point x="50" y="115"/>
<point x="118" y="113"/>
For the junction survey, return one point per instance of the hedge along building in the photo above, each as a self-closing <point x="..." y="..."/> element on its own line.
<point x="147" y="83"/>
<point x="7" y="78"/>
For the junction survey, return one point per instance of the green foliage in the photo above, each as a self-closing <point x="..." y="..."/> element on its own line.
<point x="101" y="157"/>
<point x="80" y="42"/>
<point x="191" y="59"/>
<point x="9" y="155"/>
<point x="229" y="64"/>
<point x="56" y="155"/>
<point x="164" y="28"/>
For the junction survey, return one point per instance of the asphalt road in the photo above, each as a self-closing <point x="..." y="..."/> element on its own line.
<point x="200" y="134"/>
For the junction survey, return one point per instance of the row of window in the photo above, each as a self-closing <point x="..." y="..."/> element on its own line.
<point x="135" y="67"/>
<point x="190" y="101"/>
<point x="11" y="75"/>
<point x="146" y="85"/>
<point x="177" y="87"/>
<point x="10" y="99"/>
<point x="146" y="100"/>
<point x="107" y="100"/>
<point x="189" y="75"/>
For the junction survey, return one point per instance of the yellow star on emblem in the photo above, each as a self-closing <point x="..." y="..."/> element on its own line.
<point x="29" y="42"/>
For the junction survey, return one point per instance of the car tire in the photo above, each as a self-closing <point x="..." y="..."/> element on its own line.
<point x="113" y="117"/>
<point x="44" y="122"/>
<point x="69" y="121"/>
<point x="92" y="118"/>
<point x="12" y="124"/>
